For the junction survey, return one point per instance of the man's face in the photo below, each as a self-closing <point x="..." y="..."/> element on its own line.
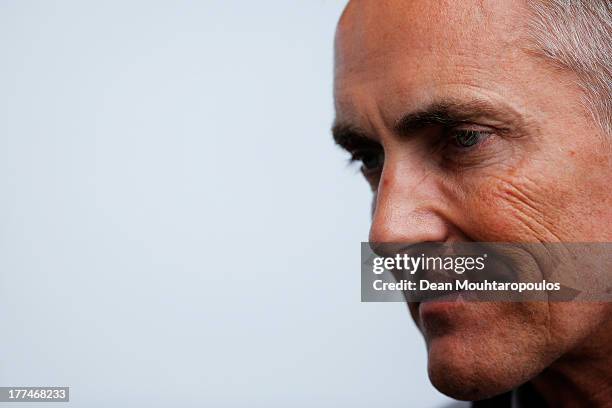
<point x="466" y="135"/>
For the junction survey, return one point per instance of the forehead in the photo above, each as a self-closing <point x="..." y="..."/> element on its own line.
<point x="404" y="51"/>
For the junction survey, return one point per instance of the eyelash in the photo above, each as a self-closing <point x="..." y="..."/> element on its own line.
<point x="464" y="140"/>
<point x="456" y="141"/>
<point x="363" y="155"/>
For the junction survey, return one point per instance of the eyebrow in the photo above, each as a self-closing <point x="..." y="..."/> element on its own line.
<point x="452" y="113"/>
<point x="445" y="113"/>
<point x="350" y="137"/>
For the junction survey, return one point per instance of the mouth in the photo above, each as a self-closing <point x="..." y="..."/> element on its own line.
<point x="442" y="304"/>
<point x="431" y="305"/>
<point x="439" y="300"/>
<point x="443" y="298"/>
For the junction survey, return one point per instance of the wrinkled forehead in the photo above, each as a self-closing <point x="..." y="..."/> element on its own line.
<point x="420" y="41"/>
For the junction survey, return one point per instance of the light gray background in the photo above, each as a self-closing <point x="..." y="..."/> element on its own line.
<point x="177" y="227"/>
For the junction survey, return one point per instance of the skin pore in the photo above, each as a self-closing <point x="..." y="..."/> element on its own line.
<point x="465" y="135"/>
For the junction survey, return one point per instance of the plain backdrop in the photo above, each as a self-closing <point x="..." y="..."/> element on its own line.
<point x="177" y="227"/>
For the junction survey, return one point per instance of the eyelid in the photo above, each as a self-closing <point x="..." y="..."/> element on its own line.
<point x="470" y="127"/>
<point x="358" y="152"/>
<point x="491" y="129"/>
<point x="473" y="126"/>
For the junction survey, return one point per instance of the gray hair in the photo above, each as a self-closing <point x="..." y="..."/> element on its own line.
<point x="577" y="35"/>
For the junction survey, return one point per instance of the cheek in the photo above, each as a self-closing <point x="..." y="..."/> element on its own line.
<point x="560" y="196"/>
<point x="512" y="207"/>
<point x="576" y="327"/>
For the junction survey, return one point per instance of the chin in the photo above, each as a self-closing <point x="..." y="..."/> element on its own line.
<point x="470" y="377"/>
<point x="483" y="352"/>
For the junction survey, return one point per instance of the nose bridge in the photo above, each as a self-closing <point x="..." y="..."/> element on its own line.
<point x="405" y="206"/>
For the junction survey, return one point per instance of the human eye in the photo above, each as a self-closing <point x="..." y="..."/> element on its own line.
<point x="371" y="160"/>
<point x="467" y="139"/>
<point x="468" y="145"/>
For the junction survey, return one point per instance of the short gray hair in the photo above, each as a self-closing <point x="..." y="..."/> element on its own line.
<point x="577" y="35"/>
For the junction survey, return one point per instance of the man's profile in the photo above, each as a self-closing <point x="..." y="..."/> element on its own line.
<point x="489" y="121"/>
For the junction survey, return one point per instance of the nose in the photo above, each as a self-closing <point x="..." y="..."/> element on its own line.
<point x="407" y="207"/>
